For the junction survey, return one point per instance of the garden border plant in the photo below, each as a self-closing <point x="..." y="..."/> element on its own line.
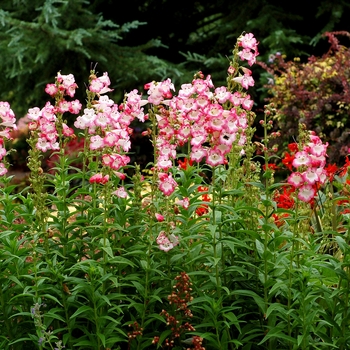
<point x="204" y="251"/>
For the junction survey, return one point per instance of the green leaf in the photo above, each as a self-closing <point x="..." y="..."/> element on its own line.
<point x="164" y="335"/>
<point x="233" y="320"/>
<point x="278" y="333"/>
<point x="260" y="248"/>
<point x="344" y="247"/>
<point x="83" y="309"/>
<point x="258" y="299"/>
<point x="102" y="338"/>
<point x="275" y="307"/>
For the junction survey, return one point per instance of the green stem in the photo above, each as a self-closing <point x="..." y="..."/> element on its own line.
<point x="291" y="268"/>
<point x="217" y="272"/>
<point x="145" y="298"/>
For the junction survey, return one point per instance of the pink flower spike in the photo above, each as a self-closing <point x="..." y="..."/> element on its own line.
<point x="306" y="193"/>
<point x="159" y="217"/>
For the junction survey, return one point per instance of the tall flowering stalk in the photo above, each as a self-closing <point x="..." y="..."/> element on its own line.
<point x="49" y="132"/>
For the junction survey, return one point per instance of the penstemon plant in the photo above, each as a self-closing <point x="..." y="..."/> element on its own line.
<point x="202" y="249"/>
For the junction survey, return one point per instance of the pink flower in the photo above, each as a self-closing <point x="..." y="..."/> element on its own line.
<point x="75" y="107"/>
<point x="247" y="103"/>
<point x="100" y="85"/>
<point x="198" y="154"/>
<point x="295" y="179"/>
<point x="159" y="217"/>
<point x="301" y="158"/>
<point x="215" y="158"/>
<point x="164" y="163"/>
<point x="121" y="176"/>
<point x="166" y="183"/>
<point x="67" y="131"/>
<point x="184" y="203"/>
<point x="221" y="94"/>
<point x="165" y="242"/>
<point x="310" y="176"/>
<point x="247" y="55"/>
<point x="306" y="193"/>
<point x="34" y="113"/>
<point x="99" y="179"/>
<point x="121" y="192"/>
<point x="96" y="142"/>
<point x="43" y="144"/>
<point x="3" y="169"/>
<point x="248" y="41"/>
<point x="245" y="81"/>
<point x="51" y="89"/>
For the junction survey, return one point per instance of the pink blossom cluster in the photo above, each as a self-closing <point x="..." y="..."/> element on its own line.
<point x="44" y="120"/>
<point x="309" y="163"/>
<point x="210" y="119"/>
<point x="199" y="115"/>
<point x="159" y="91"/>
<point x="108" y="126"/>
<point x="8" y="122"/>
<point x="250" y="48"/>
<point x="167" y="242"/>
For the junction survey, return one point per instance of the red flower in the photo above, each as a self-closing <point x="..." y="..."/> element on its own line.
<point x="203" y="208"/>
<point x="271" y="166"/>
<point x="185" y="163"/>
<point x="279" y="219"/>
<point x="284" y="200"/>
<point x="344" y="168"/>
<point x="331" y="170"/>
<point x="293" y="147"/>
<point x="288" y="160"/>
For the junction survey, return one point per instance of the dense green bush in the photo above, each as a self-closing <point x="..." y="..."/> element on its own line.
<point x="315" y="93"/>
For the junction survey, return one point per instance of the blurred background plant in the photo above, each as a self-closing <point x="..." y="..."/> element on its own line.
<point x="315" y="93"/>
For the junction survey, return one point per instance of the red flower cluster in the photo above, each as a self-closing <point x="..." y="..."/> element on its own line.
<point x="184" y="164"/>
<point x="203" y="208"/>
<point x="284" y="200"/>
<point x="289" y="157"/>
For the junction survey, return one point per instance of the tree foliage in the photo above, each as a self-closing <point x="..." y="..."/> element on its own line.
<point x="41" y="38"/>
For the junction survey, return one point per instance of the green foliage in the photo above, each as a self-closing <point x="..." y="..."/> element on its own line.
<point x="248" y="267"/>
